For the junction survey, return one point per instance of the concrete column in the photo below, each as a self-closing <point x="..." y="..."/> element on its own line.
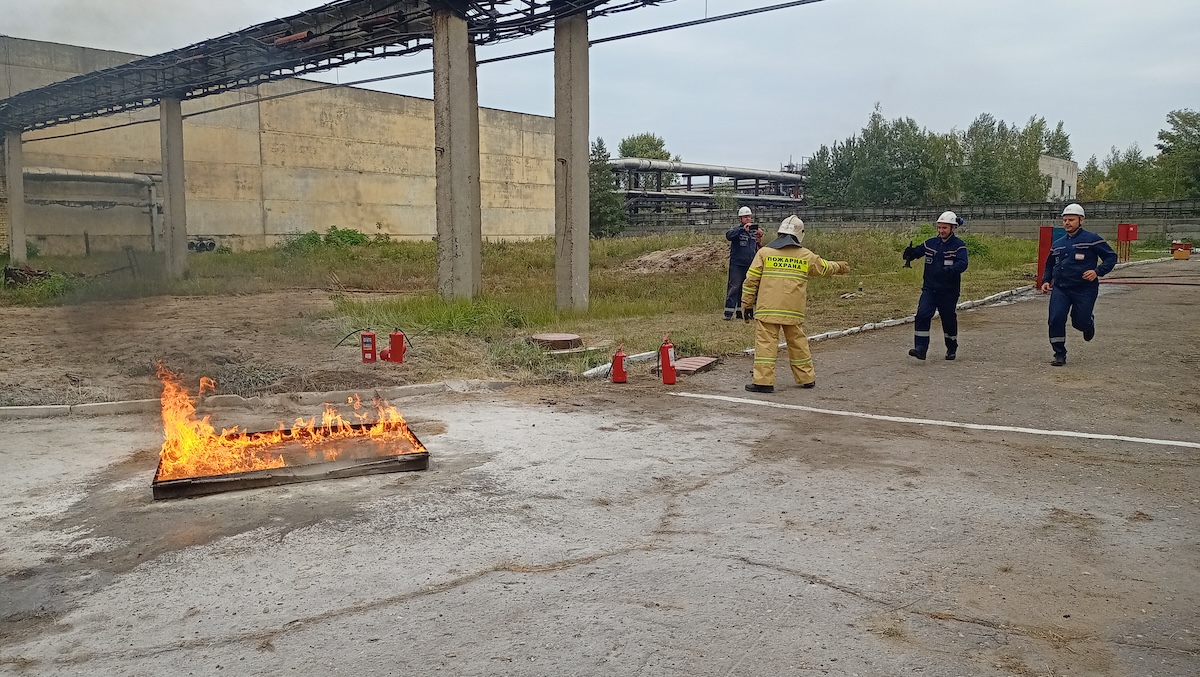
<point x="170" y="123"/>
<point x="456" y="141"/>
<point x="14" y="179"/>
<point x="571" y="209"/>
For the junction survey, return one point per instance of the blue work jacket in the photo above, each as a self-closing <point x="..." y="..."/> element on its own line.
<point x="742" y="246"/>
<point x="945" y="262"/>
<point x="1072" y="255"/>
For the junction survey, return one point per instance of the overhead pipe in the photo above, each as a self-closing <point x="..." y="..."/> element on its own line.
<point x="681" y="196"/>
<point x="648" y="165"/>
<point x="64" y="174"/>
<point x="147" y="181"/>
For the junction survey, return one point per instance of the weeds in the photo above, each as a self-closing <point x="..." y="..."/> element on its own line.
<point x="518" y="297"/>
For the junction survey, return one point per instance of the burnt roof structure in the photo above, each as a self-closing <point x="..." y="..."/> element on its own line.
<point x="332" y="35"/>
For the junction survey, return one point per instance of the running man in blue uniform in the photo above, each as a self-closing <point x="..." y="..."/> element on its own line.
<point x="1074" y="267"/>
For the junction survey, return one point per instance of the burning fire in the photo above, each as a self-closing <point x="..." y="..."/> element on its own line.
<point x="193" y="448"/>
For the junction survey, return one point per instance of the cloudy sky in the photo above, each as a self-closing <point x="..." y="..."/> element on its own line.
<point x="757" y="91"/>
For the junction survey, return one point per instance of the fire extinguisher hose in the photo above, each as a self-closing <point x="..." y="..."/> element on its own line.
<point x="339" y="343"/>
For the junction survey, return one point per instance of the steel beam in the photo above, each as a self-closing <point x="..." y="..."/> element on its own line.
<point x="335" y="34"/>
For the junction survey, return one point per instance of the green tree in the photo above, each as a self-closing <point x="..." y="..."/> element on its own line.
<point x="1091" y="177"/>
<point x="1002" y="160"/>
<point x="606" y="210"/>
<point x="890" y="162"/>
<point x="984" y="144"/>
<point x="1130" y="176"/>
<point x="652" y="147"/>
<point x="1179" y="154"/>
<point x="1057" y="143"/>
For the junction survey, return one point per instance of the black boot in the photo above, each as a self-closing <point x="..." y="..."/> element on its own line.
<point x="1058" y="361"/>
<point x="1089" y="333"/>
<point x="919" y="354"/>
<point x="951" y="350"/>
<point x="755" y="388"/>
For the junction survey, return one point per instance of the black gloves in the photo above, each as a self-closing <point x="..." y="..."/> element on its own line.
<point x="912" y="253"/>
<point x="748" y="313"/>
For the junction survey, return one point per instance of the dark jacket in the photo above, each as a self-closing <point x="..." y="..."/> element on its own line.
<point x="743" y="245"/>
<point x="945" y="262"/>
<point x="1071" y="256"/>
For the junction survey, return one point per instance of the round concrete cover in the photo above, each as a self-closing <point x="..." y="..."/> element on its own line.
<point x="558" y="341"/>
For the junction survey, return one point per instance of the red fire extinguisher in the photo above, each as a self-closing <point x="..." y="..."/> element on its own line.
<point x="367" y="342"/>
<point x="395" y="350"/>
<point x="666" y="361"/>
<point x="618" y="365"/>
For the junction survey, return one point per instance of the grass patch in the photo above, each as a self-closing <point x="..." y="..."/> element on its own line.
<point x="518" y="297"/>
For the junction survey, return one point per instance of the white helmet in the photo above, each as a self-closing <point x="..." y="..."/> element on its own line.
<point x="948" y="217"/>
<point x="1073" y="209"/>
<point x="793" y="226"/>
<point x="744" y="211"/>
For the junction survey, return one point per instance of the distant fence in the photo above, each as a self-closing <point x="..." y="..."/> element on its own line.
<point x="1167" y="218"/>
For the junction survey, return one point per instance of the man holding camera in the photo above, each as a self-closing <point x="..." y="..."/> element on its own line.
<point x="744" y="241"/>
<point x="945" y="261"/>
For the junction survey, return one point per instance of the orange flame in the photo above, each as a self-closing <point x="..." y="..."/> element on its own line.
<point x="193" y="448"/>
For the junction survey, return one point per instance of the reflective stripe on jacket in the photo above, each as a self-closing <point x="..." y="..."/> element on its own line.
<point x="1071" y="256"/>
<point x="777" y="283"/>
<point x="945" y="262"/>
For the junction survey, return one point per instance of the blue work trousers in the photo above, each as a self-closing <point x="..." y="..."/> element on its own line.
<point x="733" y="292"/>
<point x="1079" y="302"/>
<point x="943" y="301"/>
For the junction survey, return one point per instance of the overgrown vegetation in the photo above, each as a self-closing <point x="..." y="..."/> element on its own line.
<point x="379" y="284"/>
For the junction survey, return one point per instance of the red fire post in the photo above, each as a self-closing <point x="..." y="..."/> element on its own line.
<point x="1126" y="234"/>
<point x="1045" y="242"/>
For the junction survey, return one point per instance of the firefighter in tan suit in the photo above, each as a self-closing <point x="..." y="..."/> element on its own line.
<point x="775" y="294"/>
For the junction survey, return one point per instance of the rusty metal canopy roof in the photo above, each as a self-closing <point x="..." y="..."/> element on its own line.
<point x="333" y="35"/>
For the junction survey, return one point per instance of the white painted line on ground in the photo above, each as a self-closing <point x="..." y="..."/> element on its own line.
<point x="945" y="424"/>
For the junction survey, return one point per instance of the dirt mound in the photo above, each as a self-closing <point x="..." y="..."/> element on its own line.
<point x="694" y="257"/>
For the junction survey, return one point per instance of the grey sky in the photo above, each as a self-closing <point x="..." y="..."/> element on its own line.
<point x="754" y="91"/>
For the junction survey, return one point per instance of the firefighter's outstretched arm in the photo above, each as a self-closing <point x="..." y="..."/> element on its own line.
<point x="823" y="268"/>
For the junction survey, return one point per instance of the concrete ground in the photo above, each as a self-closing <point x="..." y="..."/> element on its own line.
<point x="593" y="529"/>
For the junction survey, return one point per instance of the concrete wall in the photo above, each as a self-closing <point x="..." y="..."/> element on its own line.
<point x="256" y="173"/>
<point x="1064" y="177"/>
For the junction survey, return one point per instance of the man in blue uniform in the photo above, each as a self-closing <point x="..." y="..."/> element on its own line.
<point x="945" y="261"/>
<point x="1074" y="267"/>
<point x="744" y="241"/>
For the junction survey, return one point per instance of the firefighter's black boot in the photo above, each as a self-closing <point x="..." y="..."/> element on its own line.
<point x="919" y="354"/>
<point x="951" y="349"/>
<point x="755" y="388"/>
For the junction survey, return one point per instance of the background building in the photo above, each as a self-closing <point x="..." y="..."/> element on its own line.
<point x="256" y="173"/>
<point x="1063" y="178"/>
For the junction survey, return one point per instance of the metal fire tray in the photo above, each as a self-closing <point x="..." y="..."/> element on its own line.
<point x="301" y="466"/>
